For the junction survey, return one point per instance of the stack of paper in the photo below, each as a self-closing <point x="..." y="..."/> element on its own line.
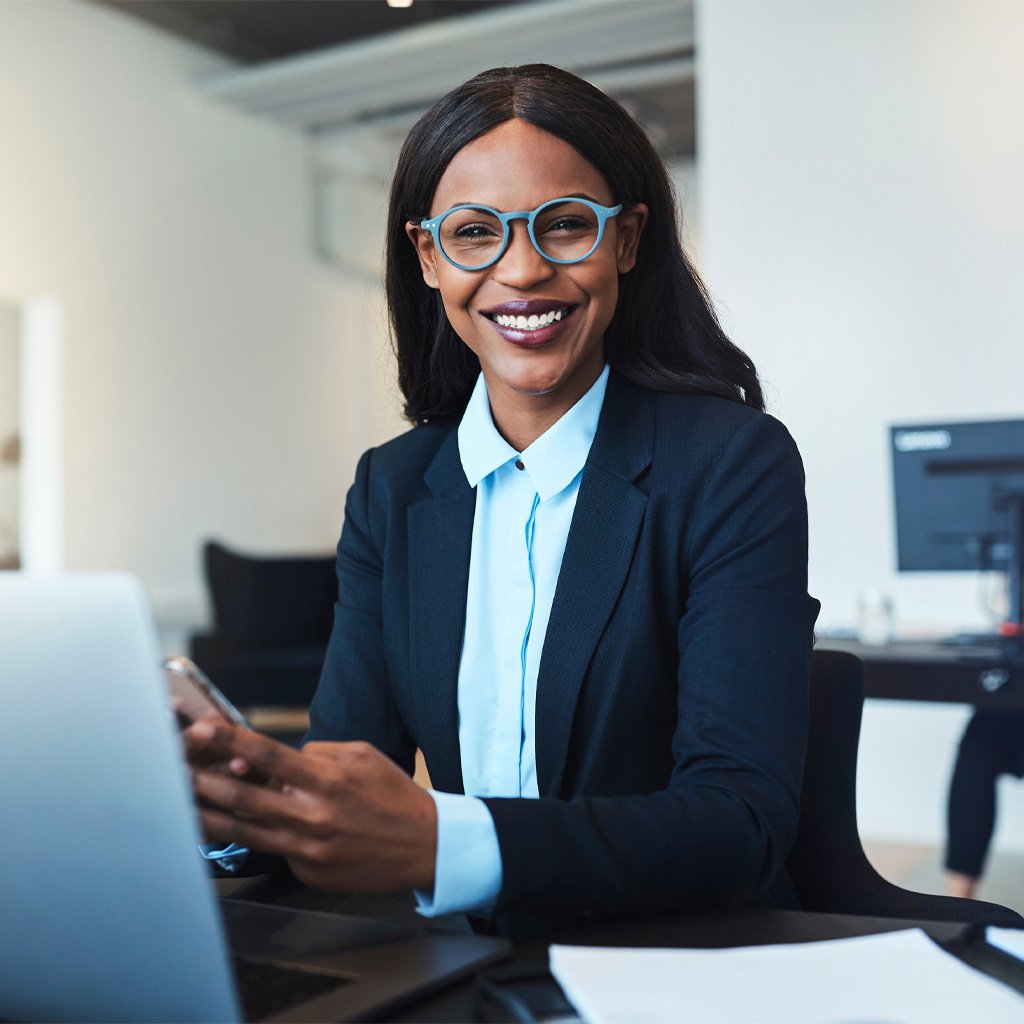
<point x="898" y="976"/>
<point x="1009" y="940"/>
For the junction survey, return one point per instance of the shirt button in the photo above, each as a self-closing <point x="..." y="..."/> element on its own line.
<point x="519" y="464"/>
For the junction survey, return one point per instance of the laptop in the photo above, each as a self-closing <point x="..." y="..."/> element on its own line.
<point x="107" y="910"/>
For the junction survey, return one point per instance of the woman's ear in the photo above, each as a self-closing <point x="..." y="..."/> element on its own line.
<point x="630" y="226"/>
<point x="423" y="242"/>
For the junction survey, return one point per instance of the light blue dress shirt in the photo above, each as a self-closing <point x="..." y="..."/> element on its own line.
<point x="524" y="505"/>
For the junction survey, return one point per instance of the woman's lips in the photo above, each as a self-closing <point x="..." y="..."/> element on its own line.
<point x="530" y="328"/>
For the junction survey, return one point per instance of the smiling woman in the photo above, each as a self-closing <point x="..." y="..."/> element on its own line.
<point x="578" y="586"/>
<point x="664" y="333"/>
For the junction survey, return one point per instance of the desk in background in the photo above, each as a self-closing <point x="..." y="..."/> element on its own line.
<point x="700" y="929"/>
<point x="931" y="671"/>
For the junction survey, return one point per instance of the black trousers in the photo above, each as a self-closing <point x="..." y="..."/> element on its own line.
<point x="992" y="745"/>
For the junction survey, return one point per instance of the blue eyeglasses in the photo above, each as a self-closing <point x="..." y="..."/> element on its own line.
<point x="565" y="230"/>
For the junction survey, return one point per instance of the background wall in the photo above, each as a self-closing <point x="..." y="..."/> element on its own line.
<point x="861" y="169"/>
<point x="10" y="364"/>
<point x="216" y="376"/>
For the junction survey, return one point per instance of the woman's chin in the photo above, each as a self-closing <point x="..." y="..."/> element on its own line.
<point x="540" y="376"/>
<point x="533" y="385"/>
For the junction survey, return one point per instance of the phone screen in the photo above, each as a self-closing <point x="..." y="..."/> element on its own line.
<point x="194" y="695"/>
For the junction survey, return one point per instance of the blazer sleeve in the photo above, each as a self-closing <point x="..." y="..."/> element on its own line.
<point x="718" y="831"/>
<point x="354" y="700"/>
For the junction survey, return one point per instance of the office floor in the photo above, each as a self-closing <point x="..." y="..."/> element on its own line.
<point x="919" y="867"/>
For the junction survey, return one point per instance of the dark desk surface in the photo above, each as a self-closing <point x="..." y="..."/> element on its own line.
<point x="913" y="670"/>
<point x="703" y="929"/>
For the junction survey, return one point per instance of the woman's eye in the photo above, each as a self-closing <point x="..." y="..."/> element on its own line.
<point x="468" y="232"/>
<point x="568" y="224"/>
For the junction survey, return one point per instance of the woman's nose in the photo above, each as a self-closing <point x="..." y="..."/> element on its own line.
<point x="521" y="265"/>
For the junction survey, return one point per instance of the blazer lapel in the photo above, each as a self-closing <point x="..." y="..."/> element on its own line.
<point x="440" y="539"/>
<point x="598" y="553"/>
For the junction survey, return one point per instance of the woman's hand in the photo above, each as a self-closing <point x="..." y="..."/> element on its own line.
<point x="344" y="816"/>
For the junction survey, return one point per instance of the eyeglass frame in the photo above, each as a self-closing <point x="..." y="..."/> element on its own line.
<point x="604" y="214"/>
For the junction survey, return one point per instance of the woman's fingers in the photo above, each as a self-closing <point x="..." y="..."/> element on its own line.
<point x="272" y="759"/>
<point x="212" y="740"/>
<point x="240" y="797"/>
<point x="345" y="816"/>
<point x="202" y="740"/>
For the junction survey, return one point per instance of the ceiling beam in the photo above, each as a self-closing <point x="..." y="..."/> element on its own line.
<point x="618" y="44"/>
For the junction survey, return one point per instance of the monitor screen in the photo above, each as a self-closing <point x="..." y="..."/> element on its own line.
<point x="954" y="486"/>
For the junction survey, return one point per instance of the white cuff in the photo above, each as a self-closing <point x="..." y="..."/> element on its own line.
<point x="228" y="858"/>
<point x="467" y="872"/>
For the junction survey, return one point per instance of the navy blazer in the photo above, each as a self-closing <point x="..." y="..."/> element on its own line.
<point x="672" y="693"/>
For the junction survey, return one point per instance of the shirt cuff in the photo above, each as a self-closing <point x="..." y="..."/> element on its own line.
<point x="467" y="871"/>
<point x="228" y="858"/>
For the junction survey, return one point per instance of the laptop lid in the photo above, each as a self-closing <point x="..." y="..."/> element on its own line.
<point x="106" y="910"/>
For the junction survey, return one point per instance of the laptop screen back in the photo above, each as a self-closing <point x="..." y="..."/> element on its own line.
<point x="106" y="912"/>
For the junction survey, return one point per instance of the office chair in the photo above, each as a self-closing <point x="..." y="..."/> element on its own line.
<point x="827" y="865"/>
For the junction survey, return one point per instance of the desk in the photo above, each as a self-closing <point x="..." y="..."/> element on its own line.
<point x="930" y="671"/>
<point x="705" y="929"/>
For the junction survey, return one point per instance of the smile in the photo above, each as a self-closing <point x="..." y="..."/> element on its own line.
<point x="531" y="322"/>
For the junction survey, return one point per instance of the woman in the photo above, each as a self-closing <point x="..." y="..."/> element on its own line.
<point x="632" y="740"/>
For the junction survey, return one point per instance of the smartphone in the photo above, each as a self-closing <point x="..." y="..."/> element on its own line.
<point x="194" y="695"/>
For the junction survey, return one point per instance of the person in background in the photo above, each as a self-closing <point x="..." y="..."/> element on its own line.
<point x="578" y="584"/>
<point x="992" y="745"/>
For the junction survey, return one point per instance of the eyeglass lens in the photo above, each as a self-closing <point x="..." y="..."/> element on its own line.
<point x="473" y="237"/>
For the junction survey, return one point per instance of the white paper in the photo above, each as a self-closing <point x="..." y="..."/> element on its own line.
<point x="1009" y="940"/>
<point x="898" y="976"/>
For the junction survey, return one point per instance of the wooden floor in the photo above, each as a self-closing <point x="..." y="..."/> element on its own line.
<point x="919" y="867"/>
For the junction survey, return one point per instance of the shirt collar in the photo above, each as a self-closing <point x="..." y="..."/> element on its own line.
<point x="481" y="448"/>
<point x="552" y="461"/>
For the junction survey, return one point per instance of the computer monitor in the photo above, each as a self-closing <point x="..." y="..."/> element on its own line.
<point x="959" y="496"/>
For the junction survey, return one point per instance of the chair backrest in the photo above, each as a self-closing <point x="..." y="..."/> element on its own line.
<point x="261" y="601"/>
<point x="827" y="864"/>
<point x="272" y="621"/>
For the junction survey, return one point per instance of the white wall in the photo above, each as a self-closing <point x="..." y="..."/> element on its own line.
<point x="862" y="217"/>
<point x="215" y="375"/>
<point x="686" y="181"/>
<point x="10" y="364"/>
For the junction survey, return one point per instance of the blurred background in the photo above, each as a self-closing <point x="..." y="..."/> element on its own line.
<point x="192" y="335"/>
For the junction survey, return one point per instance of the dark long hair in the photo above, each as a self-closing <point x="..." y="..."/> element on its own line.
<point x="664" y="334"/>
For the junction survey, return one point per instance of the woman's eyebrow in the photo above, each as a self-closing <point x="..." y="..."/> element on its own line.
<point x="564" y="195"/>
<point x="580" y="195"/>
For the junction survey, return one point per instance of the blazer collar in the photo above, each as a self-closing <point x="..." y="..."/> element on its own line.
<point x="440" y="538"/>
<point x="605" y="527"/>
<point x="445" y="472"/>
<point x="624" y="444"/>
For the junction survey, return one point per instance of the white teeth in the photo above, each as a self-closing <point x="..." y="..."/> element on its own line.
<point x="530" y="323"/>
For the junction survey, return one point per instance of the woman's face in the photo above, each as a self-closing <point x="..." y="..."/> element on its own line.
<point x="517" y="167"/>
